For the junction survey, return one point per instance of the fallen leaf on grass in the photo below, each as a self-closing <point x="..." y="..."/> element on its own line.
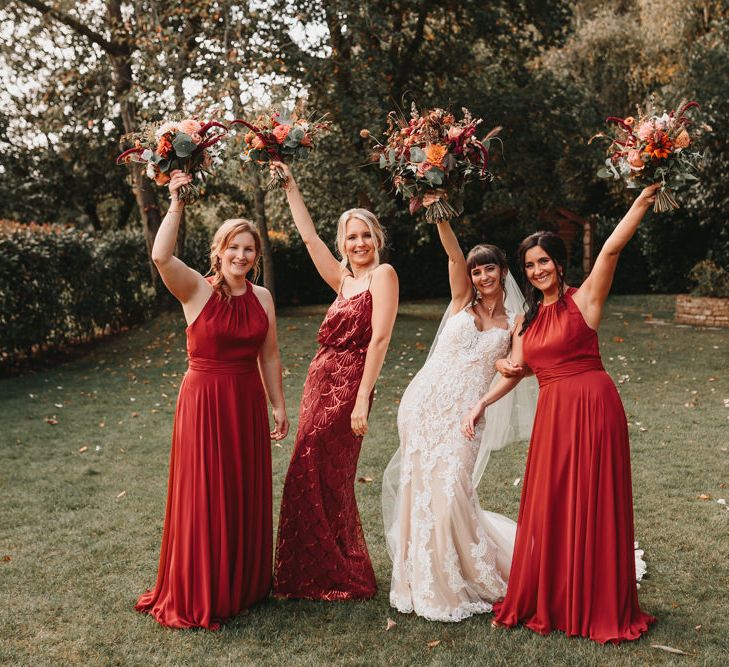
<point x="697" y="628"/>
<point x="669" y="649"/>
<point x="82" y="449"/>
<point x="365" y="480"/>
<point x="420" y="346"/>
<point x="618" y="339"/>
<point x="51" y="420"/>
<point x="390" y="624"/>
<point x="121" y="495"/>
<point x="434" y="643"/>
<point x="135" y="414"/>
<point x="516" y="481"/>
<point x="703" y="496"/>
<point x="7" y="559"/>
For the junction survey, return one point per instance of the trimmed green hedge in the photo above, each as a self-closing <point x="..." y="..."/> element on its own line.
<point x="59" y="285"/>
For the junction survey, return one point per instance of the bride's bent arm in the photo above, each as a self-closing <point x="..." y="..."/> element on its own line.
<point x="186" y="284"/>
<point x="384" y="290"/>
<point x="325" y="262"/>
<point x="460" y="284"/>
<point x="591" y="295"/>
<point x="502" y="387"/>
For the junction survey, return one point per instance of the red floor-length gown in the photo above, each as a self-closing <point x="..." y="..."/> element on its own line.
<point x="321" y="552"/>
<point x="574" y="566"/>
<point x="217" y="542"/>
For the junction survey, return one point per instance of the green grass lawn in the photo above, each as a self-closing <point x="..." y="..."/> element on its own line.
<point x="82" y="505"/>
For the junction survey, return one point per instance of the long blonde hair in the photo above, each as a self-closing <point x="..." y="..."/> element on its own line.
<point x="221" y="240"/>
<point x="373" y="224"/>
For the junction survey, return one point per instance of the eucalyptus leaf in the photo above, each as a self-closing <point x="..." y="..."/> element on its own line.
<point x="147" y="154"/>
<point x="383" y="162"/>
<point x="184" y="145"/>
<point x="434" y="176"/>
<point x="417" y="155"/>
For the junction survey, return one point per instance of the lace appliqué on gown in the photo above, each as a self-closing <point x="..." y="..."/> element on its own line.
<point x="451" y="558"/>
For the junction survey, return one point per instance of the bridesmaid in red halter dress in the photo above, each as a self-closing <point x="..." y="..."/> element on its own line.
<point x="321" y="552"/>
<point x="573" y="567"/>
<point x="216" y="551"/>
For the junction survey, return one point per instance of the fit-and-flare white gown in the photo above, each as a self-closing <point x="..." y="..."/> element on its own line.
<point x="451" y="559"/>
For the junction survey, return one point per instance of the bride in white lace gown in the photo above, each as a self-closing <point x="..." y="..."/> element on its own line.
<point x="450" y="558"/>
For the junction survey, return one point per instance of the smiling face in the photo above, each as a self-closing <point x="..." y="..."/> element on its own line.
<point x="541" y="270"/>
<point x="486" y="279"/>
<point x="359" y="245"/>
<point x="238" y="257"/>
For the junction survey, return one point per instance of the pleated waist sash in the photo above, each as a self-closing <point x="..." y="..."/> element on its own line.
<point x="222" y="367"/>
<point x="563" y="371"/>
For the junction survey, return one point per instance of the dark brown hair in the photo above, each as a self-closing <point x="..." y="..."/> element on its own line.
<point x="554" y="246"/>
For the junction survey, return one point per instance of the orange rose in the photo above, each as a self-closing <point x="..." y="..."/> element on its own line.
<point x="164" y="146"/>
<point x="161" y="178"/>
<point x="281" y="132"/>
<point x="257" y="142"/>
<point x="454" y="133"/>
<point x="435" y="153"/>
<point x="250" y="136"/>
<point x="682" y="140"/>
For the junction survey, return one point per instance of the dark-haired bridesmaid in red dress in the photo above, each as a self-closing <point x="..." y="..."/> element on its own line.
<point x="574" y="564"/>
<point x="321" y="552"/>
<point x="217" y="542"/>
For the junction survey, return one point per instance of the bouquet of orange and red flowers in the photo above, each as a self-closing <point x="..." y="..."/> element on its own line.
<point x="281" y="137"/>
<point x="431" y="156"/>
<point x="172" y="144"/>
<point x="655" y="148"/>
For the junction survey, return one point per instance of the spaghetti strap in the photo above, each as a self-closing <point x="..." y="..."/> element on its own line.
<point x="370" y="280"/>
<point x="341" y="283"/>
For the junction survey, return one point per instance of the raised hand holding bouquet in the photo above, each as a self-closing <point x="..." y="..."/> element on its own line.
<point x="431" y="157"/>
<point x="279" y="137"/>
<point x="655" y="148"/>
<point x="170" y="145"/>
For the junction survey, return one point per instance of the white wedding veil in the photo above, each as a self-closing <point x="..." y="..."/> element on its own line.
<point x="508" y="420"/>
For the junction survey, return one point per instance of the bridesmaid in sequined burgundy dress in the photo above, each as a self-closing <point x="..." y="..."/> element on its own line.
<point x="215" y="559"/>
<point x="321" y="552"/>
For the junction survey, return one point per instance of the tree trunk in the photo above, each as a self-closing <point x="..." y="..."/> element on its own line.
<point x="143" y="190"/>
<point x="259" y="203"/>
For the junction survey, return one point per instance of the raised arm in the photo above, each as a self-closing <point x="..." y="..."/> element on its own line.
<point x="458" y="278"/>
<point x="324" y="261"/>
<point x="385" y="294"/>
<point x="269" y="363"/>
<point x="592" y="294"/>
<point x="186" y="284"/>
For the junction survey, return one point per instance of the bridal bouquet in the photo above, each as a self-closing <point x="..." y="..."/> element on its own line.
<point x="431" y="156"/>
<point x="172" y="144"/>
<point x="282" y="137"/>
<point x="653" y="148"/>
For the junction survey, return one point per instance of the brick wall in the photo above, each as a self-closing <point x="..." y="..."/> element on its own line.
<point x="702" y="311"/>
